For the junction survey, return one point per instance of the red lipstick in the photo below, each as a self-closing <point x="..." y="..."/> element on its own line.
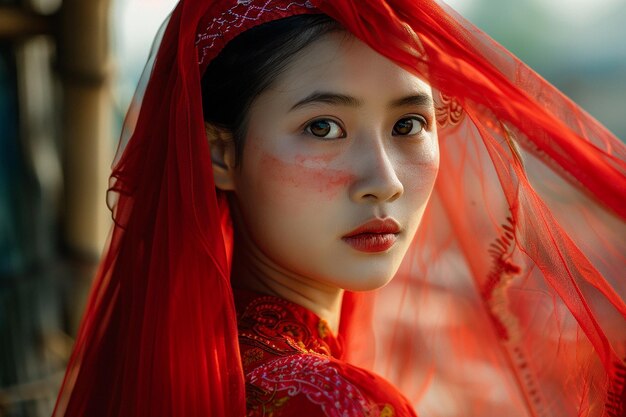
<point x="376" y="235"/>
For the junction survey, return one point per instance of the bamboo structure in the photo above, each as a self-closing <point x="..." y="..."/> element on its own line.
<point x="16" y="22"/>
<point x="84" y="64"/>
<point x="45" y="298"/>
<point x="85" y="68"/>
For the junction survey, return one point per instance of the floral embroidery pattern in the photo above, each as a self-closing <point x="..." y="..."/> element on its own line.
<point x="500" y="276"/>
<point x="314" y="377"/>
<point x="494" y="292"/>
<point x="449" y="111"/>
<point x="616" y="399"/>
<point x="264" y="403"/>
<point x="270" y="325"/>
<point x="251" y="356"/>
<point x="387" y="411"/>
<point x="292" y="366"/>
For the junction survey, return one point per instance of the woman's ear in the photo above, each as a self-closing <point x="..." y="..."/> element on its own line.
<point x="222" y="156"/>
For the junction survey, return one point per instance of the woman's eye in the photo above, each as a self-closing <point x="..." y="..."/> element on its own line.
<point x="409" y="126"/>
<point x="324" y="128"/>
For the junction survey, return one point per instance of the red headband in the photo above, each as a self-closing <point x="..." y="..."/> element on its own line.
<point x="214" y="32"/>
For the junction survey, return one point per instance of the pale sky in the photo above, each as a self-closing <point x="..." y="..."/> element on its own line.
<point x="576" y="11"/>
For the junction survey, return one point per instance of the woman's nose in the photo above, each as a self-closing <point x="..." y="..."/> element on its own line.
<point x="376" y="179"/>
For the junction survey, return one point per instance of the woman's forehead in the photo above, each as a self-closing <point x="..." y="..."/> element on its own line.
<point x="342" y="64"/>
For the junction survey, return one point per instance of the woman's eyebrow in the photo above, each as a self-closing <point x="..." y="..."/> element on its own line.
<point x="418" y="99"/>
<point x="327" y="98"/>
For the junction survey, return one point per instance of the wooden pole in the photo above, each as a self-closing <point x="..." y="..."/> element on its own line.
<point x="16" y="23"/>
<point x="85" y="68"/>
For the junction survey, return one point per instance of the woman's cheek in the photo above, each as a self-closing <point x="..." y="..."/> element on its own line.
<point x="419" y="172"/>
<point x="304" y="177"/>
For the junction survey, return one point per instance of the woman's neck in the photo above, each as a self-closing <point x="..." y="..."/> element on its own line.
<point x="252" y="272"/>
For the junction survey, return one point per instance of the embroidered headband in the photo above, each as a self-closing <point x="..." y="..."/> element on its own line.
<point x="215" y="32"/>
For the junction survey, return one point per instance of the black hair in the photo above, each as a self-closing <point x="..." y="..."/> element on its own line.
<point x="250" y="63"/>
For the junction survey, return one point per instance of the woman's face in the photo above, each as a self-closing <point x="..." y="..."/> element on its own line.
<point x="342" y="138"/>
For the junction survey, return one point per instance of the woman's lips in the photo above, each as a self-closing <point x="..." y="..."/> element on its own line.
<point x="371" y="242"/>
<point x="377" y="235"/>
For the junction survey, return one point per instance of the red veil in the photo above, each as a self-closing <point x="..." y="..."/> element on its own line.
<point x="510" y="300"/>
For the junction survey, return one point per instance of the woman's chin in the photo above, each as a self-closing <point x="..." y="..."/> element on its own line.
<point x="364" y="279"/>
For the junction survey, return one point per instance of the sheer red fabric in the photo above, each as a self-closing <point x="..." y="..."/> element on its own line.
<point x="511" y="299"/>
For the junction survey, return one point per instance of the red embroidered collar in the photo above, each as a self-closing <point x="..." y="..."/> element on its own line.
<point x="280" y="326"/>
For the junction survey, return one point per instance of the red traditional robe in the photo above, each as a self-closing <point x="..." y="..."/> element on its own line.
<point x="293" y="367"/>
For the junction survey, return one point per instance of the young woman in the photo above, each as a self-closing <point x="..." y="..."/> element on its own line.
<point x="354" y="208"/>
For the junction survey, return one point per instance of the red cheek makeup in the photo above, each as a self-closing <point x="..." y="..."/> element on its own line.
<point x="319" y="179"/>
<point x="315" y="160"/>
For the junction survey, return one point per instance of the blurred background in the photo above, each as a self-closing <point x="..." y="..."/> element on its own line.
<point x="68" y="69"/>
